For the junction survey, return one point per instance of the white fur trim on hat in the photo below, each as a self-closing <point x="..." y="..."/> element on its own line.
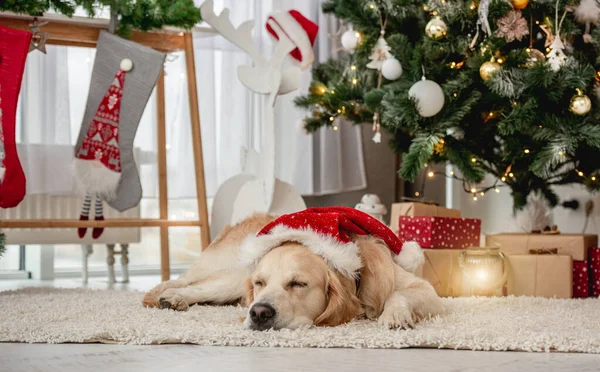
<point x="343" y="257"/>
<point x="297" y="34"/>
<point x="411" y="256"/>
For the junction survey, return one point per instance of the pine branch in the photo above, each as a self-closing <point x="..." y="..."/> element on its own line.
<point x="419" y="152"/>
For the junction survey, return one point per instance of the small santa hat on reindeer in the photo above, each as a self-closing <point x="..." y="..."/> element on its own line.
<point x="301" y="30"/>
<point x="328" y="232"/>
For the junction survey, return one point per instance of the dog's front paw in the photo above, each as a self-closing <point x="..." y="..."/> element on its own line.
<point x="173" y="301"/>
<point x="397" y="316"/>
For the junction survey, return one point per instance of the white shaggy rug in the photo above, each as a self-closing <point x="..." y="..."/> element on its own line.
<point x="50" y="315"/>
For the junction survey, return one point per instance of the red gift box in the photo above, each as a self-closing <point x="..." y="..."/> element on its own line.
<point x="581" y="281"/>
<point x="440" y="232"/>
<point x="594" y="271"/>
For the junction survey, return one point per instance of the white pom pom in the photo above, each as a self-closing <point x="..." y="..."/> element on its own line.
<point x="126" y="65"/>
<point x="391" y="69"/>
<point x="349" y="40"/>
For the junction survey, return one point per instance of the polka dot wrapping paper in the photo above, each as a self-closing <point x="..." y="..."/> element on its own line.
<point x="440" y="232"/>
<point x="581" y="280"/>
<point x="594" y="271"/>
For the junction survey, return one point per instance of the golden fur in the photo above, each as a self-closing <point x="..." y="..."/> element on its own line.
<point x="298" y="285"/>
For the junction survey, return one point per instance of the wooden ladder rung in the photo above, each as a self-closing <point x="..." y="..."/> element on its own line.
<point x="65" y="223"/>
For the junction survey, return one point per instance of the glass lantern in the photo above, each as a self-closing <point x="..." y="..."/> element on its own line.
<point x="484" y="271"/>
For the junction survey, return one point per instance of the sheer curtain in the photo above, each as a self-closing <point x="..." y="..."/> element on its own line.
<point x="55" y="91"/>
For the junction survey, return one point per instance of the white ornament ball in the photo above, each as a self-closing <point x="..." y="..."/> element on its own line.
<point x="126" y="65"/>
<point x="349" y="40"/>
<point x="391" y="69"/>
<point x="429" y="97"/>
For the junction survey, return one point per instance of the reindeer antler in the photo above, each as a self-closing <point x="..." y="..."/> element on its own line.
<point x="242" y="36"/>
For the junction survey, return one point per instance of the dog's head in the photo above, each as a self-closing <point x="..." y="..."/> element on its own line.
<point x="292" y="287"/>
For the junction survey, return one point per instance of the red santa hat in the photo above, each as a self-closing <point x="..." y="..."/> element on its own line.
<point x="300" y="30"/>
<point x="328" y="232"/>
<point x="98" y="160"/>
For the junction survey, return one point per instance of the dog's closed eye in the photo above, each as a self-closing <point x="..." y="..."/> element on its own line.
<point x="296" y="284"/>
<point x="259" y="283"/>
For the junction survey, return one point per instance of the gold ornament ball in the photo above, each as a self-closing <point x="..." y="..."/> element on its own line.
<point x="580" y="104"/>
<point x="488" y="69"/>
<point x="534" y="56"/>
<point x="436" y="29"/>
<point x="519" y="4"/>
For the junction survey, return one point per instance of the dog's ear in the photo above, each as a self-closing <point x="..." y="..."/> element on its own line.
<point x="343" y="305"/>
<point x="249" y="289"/>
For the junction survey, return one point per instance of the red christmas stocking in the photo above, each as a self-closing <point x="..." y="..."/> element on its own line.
<point x="14" y="45"/>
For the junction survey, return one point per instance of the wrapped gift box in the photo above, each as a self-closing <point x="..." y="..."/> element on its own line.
<point x="594" y="271"/>
<point x="574" y="245"/>
<point x="441" y="269"/>
<point x="419" y="209"/>
<point x="440" y="232"/>
<point x="540" y="275"/>
<point x="581" y="279"/>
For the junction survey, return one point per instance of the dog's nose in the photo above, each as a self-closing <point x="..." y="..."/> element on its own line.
<point x="262" y="313"/>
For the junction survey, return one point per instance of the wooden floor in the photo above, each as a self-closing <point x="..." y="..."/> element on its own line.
<point x="179" y="358"/>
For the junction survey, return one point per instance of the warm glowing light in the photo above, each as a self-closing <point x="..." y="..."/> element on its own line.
<point x="434" y="13"/>
<point x="425" y="165"/>
<point x="331" y="118"/>
<point x="526" y="151"/>
<point x="335" y="127"/>
<point x="482" y="193"/>
<point x="452" y="173"/>
<point x="500" y="60"/>
<point x="497" y="190"/>
<point x="472" y="6"/>
<point x="511" y="175"/>
<point x="481" y="275"/>
<point x="352" y="67"/>
<point x="323" y="90"/>
<point x="333" y="92"/>
<point x="491" y="114"/>
<point x="425" y="8"/>
<point x="430" y="174"/>
<point x="528" y="50"/>
<point x="168" y="147"/>
<point x="547" y="50"/>
<point x="357" y="34"/>
<point x="537" y="22"/>
<point x="475" y="198"/>
<point x="339" y="111"/>
<point x="473" y="160"/>
<point x="417" y="193"/>
<point x="560" y="153"/>
<point x="593" y="178"/>
<point x="355" y="81"/>
<point x="503" y="179"/>
<point x="473" y="190"/>
<point x="580" y="173"/>
<point x="455" y="95"/>
<point x="372" y="6"/>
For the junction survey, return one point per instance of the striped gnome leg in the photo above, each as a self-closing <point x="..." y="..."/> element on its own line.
<point x="85" y="215"/>
<point x="98" y="216"/>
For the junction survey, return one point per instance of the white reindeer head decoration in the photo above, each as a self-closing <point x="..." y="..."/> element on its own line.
<point x="266" y="77"/>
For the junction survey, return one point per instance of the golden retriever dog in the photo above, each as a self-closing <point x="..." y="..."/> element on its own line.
<point x="292" y="286"/>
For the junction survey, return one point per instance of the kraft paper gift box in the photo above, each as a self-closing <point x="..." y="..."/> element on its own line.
<point x="545" y="275"/>
<point x="442" y="270"/>
<point x="574" y="245"/>
<point x="441" y="232"/>
<point x="419" y="209"/>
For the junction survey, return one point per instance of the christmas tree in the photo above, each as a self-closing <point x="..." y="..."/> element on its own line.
<point x="131" y="14"/>
<point x="519" y="88"/>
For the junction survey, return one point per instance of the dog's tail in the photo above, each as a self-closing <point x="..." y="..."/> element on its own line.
<point x="152" y="298"/>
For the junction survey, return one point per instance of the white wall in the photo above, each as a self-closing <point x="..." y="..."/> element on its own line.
<point x="495" y="210"/>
